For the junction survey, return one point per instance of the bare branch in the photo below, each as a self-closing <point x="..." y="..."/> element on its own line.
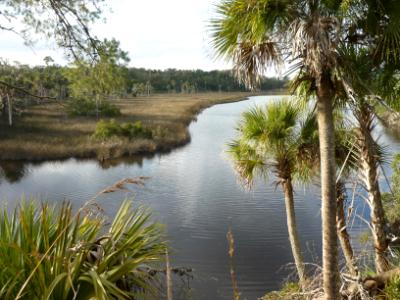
<point x="22" y="90"/>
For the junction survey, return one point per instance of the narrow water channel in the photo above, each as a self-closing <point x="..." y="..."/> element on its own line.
<point x="195" y="192"/>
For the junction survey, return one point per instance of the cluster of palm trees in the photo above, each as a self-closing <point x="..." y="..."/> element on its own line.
<point x="282" y="138"/>
<point x="343" y="53"/>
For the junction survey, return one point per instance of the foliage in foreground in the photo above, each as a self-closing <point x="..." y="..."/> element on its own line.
<point x="392" y="200"/>
<point x="107" y="129"/>
<point x="77" y="256"/>
<point x="392" y="289"/>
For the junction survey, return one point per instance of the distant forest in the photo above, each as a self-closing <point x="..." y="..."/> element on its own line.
<point x="189" y="81"/>
<point x="54" y="81"/>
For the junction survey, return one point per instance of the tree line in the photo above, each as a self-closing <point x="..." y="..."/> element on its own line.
<point x="192" y="81"/>
<point x="52" y="80"/>
<point x="86" y="86"/>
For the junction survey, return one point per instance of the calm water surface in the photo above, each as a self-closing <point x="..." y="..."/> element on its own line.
<point x="194" y="191"/>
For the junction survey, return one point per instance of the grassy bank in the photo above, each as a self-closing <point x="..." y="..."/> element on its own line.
<point x="390" y="120"/>
<point x="45" y="131"/>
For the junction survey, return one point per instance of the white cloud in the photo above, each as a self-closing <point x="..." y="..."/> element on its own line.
<point x="163" y="34"/>
<point x="158" y="34"/>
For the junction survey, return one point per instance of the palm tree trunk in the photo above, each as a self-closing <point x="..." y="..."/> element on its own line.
<point x="341" y="225"/>
<point x="377" y="216"/>
<point x="292" y="231"/>
<point x="328" y="188"/>
<point x="369" y="167"/>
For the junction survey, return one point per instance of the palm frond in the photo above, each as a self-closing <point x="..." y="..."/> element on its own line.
<point x="279" y="138"/>
<point x="248" y="163"/>
<point x="81" y="261"/>
<point x="246" y="33"/>
<point x="315" y="43"/>
<point x="251" y="61"/>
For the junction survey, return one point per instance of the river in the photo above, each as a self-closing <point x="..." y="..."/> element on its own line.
<point x="195" y="193"/>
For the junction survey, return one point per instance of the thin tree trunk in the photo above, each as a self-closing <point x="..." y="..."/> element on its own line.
<point x="168" y="277"/>
<point x="97" y="107"/>
<point x="328" y="188"/>
<point x="344" y="237"/>
<point x="369" y="167"/>
<point x="292" y="230"/>
<point x="9" y="104"/>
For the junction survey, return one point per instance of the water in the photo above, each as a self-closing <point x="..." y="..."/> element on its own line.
<point x="194" y="191"/>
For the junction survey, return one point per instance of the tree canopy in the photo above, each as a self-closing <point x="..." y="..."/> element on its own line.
<point x="67" y="22"/>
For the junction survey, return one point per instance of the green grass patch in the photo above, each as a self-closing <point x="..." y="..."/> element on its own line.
<point x="107" y="129"/>
<point x="392" y="289"/>
<point x="47" y="131"/>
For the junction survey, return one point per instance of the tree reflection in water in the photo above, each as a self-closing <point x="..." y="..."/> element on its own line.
<point x="12" y="171"/>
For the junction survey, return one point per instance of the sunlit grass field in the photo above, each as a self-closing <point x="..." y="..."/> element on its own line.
<point x="46" y="131"/>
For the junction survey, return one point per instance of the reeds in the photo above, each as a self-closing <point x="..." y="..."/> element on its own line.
<point x="231" y="252"/>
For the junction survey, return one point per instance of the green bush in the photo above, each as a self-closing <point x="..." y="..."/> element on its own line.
<point x="78" y="256"/>
<point x="87" y="107"/>
<point x="106" y="129"/>
<point x="392" y="289"/>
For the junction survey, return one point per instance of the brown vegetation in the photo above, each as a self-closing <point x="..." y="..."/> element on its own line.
<point x="45" y="131"/>
<point x="390" y="120"/>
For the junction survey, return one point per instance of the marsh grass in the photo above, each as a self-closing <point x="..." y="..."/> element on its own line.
<point x="289" y="291"/>
<point x="46" y="131"/>
<point x="49" y="252"/>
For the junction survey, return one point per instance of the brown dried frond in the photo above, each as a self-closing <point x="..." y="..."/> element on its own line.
<point x="121" y="185"/>
<point x="315" y="42"/>
<point x="251" y="61"/>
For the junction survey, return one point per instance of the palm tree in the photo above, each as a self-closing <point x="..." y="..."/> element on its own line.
<point x="346" y="159"/>
<point x="367" y="86"/>
<point x="344" y="237"/>
<point x="256" y="34"/>
<point x="308" y="34"/>
<point x="272" y="139"/>
<point x="370" y="161"/>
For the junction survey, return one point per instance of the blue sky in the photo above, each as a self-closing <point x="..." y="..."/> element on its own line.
<point x="158" y="34"/>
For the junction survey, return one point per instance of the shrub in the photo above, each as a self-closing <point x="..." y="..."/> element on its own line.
<point x="392" y="289"/>
<point x="77" y="256"/>
<point x="109" y="110"/>
<point x="107" y="129"/>
<point x="87" y="107"/>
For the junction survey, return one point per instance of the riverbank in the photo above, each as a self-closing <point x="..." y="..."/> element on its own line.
<point x="46" y="132"/>
<point x="390" y="120"/>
